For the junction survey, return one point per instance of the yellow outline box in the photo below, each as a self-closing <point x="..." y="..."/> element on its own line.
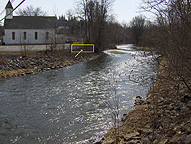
<point x="82" y="45"/>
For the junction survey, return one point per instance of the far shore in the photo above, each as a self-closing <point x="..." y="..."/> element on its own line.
<point x="14" y="64"/>
<point x="145" y="48"/>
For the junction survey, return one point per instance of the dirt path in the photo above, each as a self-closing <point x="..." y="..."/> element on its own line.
<point x="13" y="48"/>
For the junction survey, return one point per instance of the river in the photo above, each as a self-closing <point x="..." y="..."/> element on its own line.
<point x="74" y="104"/>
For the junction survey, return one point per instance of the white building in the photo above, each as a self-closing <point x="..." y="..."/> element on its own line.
<point x="28" y="29"/>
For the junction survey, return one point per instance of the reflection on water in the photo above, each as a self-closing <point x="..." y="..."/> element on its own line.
<point x="69" y="105"/>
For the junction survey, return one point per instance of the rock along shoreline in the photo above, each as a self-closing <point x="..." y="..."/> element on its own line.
<point x="15" y="64"/>
<point x="163" y="118"/>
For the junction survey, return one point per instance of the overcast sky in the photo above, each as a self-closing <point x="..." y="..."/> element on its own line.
<point x="123" y="10"/>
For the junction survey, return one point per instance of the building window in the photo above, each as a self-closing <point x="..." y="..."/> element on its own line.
<point x="13" y="35"/>
<point x="47" y="35"/>
<point x="36" y="35"/>
<point x="25" y="35"/>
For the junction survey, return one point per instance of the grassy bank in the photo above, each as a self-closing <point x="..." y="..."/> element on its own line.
<point x="18" y="64"/>
<point x="163" y="118"/>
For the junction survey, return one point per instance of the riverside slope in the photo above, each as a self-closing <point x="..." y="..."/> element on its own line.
<point x="12" y="64"/>
<point x="164" y="118"/>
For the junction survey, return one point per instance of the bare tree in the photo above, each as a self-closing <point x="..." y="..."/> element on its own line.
<point x="31" y="11"/>
<point x="95" y="14"/>
<point x="174" y="34"/>
<point x="137" y="26"/>
<point x="69" y="14"/>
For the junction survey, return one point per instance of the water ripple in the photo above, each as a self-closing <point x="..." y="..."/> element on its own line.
<point x="71" y="105"/>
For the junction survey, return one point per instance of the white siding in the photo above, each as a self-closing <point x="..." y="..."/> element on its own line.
<point x="30" y="36"/>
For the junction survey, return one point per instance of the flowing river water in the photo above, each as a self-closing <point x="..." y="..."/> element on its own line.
<point x="74" y="104"/>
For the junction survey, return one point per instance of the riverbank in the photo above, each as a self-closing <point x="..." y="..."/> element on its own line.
<point x="145" y="48"/>
<point x="163" y="118"/>
<point x="14" y="64"/>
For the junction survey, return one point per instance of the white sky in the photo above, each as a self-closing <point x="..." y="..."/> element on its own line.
<point x="123" y="10"/>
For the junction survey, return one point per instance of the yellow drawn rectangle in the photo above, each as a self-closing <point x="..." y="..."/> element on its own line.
<point x="82" y="45"/>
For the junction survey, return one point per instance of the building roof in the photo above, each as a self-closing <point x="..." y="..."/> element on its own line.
<point x="9" y="5"/>
<point x="30" y="22"/>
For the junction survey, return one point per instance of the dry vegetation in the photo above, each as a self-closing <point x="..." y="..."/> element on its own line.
<point x="163" y="118"/>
